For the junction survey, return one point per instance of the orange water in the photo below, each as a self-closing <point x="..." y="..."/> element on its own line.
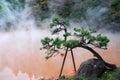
<point x="19" y="51"/>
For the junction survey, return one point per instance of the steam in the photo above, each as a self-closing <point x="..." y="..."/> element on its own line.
<point x="20" y="16"/>
<point x="16" y="17"/>
<point x="7" y="74"/>
<point x="94" y="16"/>
<point x="54" y="5"/>
<point x="20" y="57"/>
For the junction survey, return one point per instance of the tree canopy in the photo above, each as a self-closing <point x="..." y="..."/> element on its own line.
<point x="83" y="37"/>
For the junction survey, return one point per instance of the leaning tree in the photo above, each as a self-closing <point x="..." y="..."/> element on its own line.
<point x="83" y="38"/>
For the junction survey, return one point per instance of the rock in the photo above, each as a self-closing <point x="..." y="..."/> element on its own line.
<point x="91" y="68"/>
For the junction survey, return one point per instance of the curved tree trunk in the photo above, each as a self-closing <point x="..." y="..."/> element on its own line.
<point x="107" y="65"/>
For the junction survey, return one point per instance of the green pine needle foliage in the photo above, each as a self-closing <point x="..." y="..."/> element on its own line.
<point x="84" y="37"/>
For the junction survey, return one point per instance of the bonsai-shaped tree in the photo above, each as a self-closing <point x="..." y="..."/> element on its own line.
<point x="84" y="38"/>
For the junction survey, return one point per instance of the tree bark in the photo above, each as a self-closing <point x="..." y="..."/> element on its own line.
<point x="63" y="63"/>
<point x="73" y="60"/>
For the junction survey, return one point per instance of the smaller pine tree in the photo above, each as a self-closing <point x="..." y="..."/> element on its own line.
<point x="84" y="38"/>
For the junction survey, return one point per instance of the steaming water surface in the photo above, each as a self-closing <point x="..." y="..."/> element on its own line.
<point x="20" y="55"/>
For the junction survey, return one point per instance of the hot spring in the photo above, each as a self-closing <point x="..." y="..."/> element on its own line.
<point x="20" y="54"/>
